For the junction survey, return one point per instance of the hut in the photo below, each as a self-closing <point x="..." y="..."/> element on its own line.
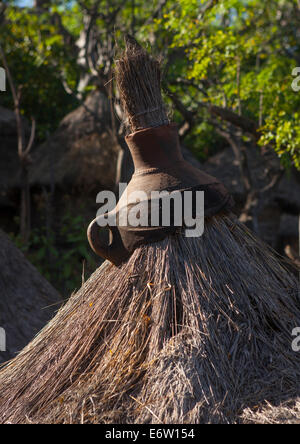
<point x="27" y="300"/>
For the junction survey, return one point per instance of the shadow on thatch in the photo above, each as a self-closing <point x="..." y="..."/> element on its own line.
<point x="24" y="298"/>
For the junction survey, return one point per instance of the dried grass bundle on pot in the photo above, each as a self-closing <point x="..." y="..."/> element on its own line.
<point x="138" y="77"/>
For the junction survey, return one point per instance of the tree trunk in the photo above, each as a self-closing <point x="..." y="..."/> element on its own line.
<point x="25" y="217"/>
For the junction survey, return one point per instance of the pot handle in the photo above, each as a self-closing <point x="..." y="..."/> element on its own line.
<point x="115" y="252"/>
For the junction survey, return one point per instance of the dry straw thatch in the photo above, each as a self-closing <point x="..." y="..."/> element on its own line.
<point x="188" y="330"/>
<point x="27" y="300"/>
<point x="138" y="79"/>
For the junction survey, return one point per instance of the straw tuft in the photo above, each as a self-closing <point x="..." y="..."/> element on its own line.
<point x="138" y="79"/>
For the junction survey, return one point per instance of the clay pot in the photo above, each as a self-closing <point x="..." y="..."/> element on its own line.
<point x="159" y="166"/>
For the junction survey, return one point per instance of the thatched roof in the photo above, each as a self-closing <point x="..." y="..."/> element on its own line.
<point x="24" y="296"/>
<point x="224" y="166"/>
<point x="188" y="330"/>
<point x="282" y="205"/>
<point x="81" y="152"/>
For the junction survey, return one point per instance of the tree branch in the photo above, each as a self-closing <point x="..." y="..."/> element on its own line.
<point x="156" y="12"/>
<point x="246" y="124"/>
<point x="189" y="116"/>
<point x="31" y="139"/>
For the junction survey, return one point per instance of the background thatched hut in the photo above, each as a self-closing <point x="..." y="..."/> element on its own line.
<point x="27" y="300"/>
<point x="82" y="152"/>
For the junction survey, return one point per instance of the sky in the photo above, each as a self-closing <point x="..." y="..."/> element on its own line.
<point x="25" y="2"/>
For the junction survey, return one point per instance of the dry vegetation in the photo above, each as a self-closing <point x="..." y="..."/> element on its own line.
<point x="187" y="331"/>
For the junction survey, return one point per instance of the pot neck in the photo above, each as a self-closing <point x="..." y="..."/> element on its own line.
<point x="155" y="147"/>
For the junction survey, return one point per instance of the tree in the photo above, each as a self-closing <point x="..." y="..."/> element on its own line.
<point x="231" y="74"/>
<point x="24" y="149"/>
<point x="228" y="70"/>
